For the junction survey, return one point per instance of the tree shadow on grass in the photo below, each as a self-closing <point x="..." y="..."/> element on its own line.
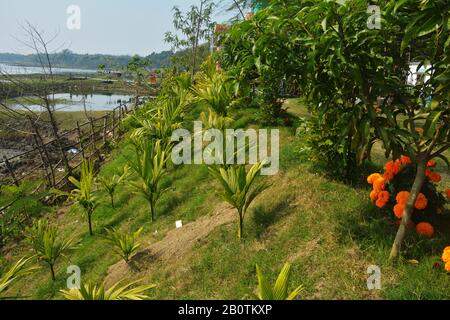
<point x="264" y="216"/>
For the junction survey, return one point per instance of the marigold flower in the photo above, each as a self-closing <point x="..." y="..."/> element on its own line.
<point x="384" y="196"/>
<point x="398" y="210"/>
<point x="431" y="163"/>
<point x="419" y="130"/>
<point x="448" y="193"/>
<point x="405" y="160"/>
<point x="447" y="266"/>
<point x="373" y="177"/>
<point x="393" y="167"/>
<point x="433" y="176"/>
<point x="388" y="176"/>
<point x="425" y="229"/>
<point x="421" y="202"/>
<point x="380" y="203"/>
<point x="446" y="255"/>
<point x="402" y="197"/>
<point x="374" y="195"/>
<point x="379" y="184"/>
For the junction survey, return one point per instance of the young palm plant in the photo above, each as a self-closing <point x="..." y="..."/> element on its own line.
<point x="110" y="184"/>
<point x="83" y="195"/>
<point x="280" y="290"/>
<point x="43" y="238"/>
<point x="125" y="245"/>
<point x="91" y="291"/>
<point x="237" y="185"/>
<point x="150" y="166"/>
<point x="18" y="270"/>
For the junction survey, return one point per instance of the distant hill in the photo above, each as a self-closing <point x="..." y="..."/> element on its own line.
<point x="68" y="59"/>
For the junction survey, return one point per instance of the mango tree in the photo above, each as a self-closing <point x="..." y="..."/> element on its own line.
<point x="426" y="40"/>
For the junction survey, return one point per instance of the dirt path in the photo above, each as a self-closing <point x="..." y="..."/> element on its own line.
<point x="176" y="245"/>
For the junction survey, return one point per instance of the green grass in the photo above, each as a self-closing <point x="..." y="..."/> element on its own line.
<point x="329" y="231"/>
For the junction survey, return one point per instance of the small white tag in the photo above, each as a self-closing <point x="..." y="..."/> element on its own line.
<point x="179" y="224"/>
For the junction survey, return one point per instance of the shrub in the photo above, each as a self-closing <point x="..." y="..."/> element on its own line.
<point x="110" y="184"/>
<point x="280" y="289"/>
<point x="83" y="195"/>
<point x="91" y="291"/>
<point x="125" y="245"/>
<point x="150" y="166"/>
<point x="237" y="185"/>
<point x="18" y="270"/>
<point x="43" y="238"/>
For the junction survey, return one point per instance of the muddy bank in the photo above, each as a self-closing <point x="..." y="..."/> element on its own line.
<point x="19" y="146"/>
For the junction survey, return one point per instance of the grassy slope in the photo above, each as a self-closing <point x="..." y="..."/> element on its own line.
<point x="329" y="231"/>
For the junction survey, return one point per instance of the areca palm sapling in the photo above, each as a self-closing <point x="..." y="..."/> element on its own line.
<point x="280" y="289"/>
<point x="91" y="291"/>
<point x="150" y="166"/>
<point x="237" y="188"/>
<point x="18" y="270"/>
<point x="83" y="195"/>
<point x="165" y="114"/>
<point x="216" y="91"/>
<point x="43" y="238"/>
<point x="125" y="245"/>
<point x="110" y="184"/>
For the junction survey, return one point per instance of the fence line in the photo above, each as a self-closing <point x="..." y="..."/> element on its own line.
<point x="84" y="142"/>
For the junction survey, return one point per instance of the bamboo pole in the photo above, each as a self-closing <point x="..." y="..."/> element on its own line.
<point x="11" y="170"/>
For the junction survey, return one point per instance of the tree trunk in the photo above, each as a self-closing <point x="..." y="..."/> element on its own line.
<point x="152" y="210"/>
<point x="409" y="208"/>
<point x="90" y="223"/>
<point x="52" y="270"/>
<point x="194" y="53"/>
<point x="240" y="226"/>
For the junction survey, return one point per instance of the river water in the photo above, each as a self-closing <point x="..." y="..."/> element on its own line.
<point x="20" y="70"/>
<point x="93" y="102"/>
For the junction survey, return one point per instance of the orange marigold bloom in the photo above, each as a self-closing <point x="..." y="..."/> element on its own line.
<point x="374" y="195"/>
<point x="425" y="229"/>
<point x="447" y="266"/>
<point x="393" y="167"/>
<point x="419" y="130"/>
<point x="431" y="163"/>
<point x="388" y="176"/>
<point x="405" y="160"/>
<point x="433" y="176"/>
<point x="384" y="196"/>
<point x="373" y="177"/>
<point x="446" y="255"/>
<point x="380" y="203"/>
<point x="448" y="193"/>
<point x="379" y="184"/>
<point x="421" y="202"/>
<point x="402" y="197"/>
<point x="398" y="210"/>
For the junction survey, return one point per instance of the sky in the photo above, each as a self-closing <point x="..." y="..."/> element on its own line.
<point x="106" y="26"/>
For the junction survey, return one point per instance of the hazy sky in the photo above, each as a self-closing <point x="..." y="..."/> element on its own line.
<point x="107" y="26"/>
